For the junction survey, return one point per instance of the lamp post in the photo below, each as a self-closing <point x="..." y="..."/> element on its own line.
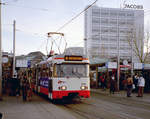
<point x="0" y="55"/>
<point x="118" y="58"/>
<point x="14" y="46"/>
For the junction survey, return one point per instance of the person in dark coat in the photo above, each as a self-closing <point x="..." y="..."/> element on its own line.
<point x="1" y="115"/>
<point x="24" y="88"/>
<point x="112" y="84"/>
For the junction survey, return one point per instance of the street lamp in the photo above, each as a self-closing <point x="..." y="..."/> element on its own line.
<point x="0" y="55"/>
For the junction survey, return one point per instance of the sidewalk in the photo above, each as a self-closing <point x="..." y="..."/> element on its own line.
<point x="122" y="94"/>
<point x="14" y="108"/>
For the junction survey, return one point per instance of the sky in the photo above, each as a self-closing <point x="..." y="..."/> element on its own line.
<point x="35" y="18"/>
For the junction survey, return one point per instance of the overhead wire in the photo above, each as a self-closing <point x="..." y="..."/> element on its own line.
<point x="76" y="16"/>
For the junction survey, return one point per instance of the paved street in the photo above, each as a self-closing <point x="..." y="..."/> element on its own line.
<point x="101" y="105"/>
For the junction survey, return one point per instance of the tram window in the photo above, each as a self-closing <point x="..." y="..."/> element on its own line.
<point x="72" y="70"/>
<point x="50" y="73"/>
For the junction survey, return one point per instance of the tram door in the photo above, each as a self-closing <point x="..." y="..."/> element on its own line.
<point x="50" y="86"/>
<point x="50" y="81"/>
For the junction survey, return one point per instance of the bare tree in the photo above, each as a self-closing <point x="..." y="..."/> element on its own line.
<point x="140" y="44"/>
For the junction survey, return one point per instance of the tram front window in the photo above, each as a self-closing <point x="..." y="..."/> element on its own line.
<point x="72" y="70"/>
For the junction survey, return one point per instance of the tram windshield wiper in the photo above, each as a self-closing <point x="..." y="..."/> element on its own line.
<point x="75" y="74"/>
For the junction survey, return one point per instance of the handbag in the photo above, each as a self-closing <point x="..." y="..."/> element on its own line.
<point x="133" y="86"/>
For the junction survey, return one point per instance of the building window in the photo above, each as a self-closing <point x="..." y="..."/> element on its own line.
<point x="122" y="22"/>
<point x="104" y="38"/>
<point x="95" y="39"/>
<point x="123" y="31"/>
<point x="104" y="30"/>
<point x="113" y="30"/>
<point x="122" y="14"/>
<point x="104" y="21"/>
<point x="114" y="48"/>
<point x="130" y="22"/>
<point x="95" y="30"/>
<point x="113" y="39"/>
<point x="96" y="20"/>
<point x="130" y="14"/>
<point x="113" y="21"/>
<point x="113" y="13"/>
<point x="96" y="11"/>
<point x="104" y="13"/>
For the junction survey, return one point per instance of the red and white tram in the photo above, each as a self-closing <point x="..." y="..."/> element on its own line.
<point x="63" y="76"/>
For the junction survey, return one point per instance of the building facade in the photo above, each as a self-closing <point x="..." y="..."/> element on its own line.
<point x="108" y="30"/>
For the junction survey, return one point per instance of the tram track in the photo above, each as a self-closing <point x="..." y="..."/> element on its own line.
<point x="123" y="100"/>
<point x="117" y="108"/>
<point x="89" y="115"/>
<point x="102" y="107"/>
<point x="82" y="113"/>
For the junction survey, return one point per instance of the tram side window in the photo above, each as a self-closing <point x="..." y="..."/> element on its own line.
<point x="44" y="73"/>
<point x="54" y="71"/>
<point x="47" y="73"/>
<point x="50" y="72"/>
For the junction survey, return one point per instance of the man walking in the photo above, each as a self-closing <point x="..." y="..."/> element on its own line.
<point x="112" y="84"/>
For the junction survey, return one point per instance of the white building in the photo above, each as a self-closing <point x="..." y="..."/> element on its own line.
<point x="108" y="28"/>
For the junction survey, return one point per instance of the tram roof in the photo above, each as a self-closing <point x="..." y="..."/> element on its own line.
<point x="58" y="56"/>
<point x="63" y="55"/>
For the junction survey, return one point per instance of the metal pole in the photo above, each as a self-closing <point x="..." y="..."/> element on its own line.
<point x="14" y="46"/>
<point x="118" y="67"/>
<point x="0" y="55"/>
<point x="132" y="54"/>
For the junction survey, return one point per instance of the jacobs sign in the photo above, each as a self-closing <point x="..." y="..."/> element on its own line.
<point x="132" y="6"/>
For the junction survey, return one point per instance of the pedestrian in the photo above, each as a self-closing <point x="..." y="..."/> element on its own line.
<point x="1" y="115"/>
<point x="141" y="85"/>
<point x="112" y="84"/>
<point x="29" y="91"/>
<point x="103" y="82"/>
<point x="135" y="81"/>
<point x="24" y="89"/>
<point x="129" y="85"/>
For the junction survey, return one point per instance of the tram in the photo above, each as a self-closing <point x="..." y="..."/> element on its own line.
<point x="63" y="76"/>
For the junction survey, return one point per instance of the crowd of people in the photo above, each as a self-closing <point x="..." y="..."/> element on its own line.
<point x="129" y="83"/>
<point x="18" y="86"/>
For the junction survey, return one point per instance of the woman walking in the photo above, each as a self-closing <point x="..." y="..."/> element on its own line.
<point x="129" y="85"/>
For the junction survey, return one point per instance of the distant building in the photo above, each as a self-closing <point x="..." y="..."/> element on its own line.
<point x="29" y="60"/>
<point x="105" y="27"/>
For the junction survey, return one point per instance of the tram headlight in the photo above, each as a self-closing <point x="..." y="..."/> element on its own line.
<point x="83" y="87"/>
<point x="63" y="88"/>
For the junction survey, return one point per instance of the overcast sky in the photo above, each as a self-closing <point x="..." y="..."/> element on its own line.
<point x="35" y="18"/>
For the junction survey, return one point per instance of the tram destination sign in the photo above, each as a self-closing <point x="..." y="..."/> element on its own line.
<point x="133" y="6"/>
<point x="73" y="58"/>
